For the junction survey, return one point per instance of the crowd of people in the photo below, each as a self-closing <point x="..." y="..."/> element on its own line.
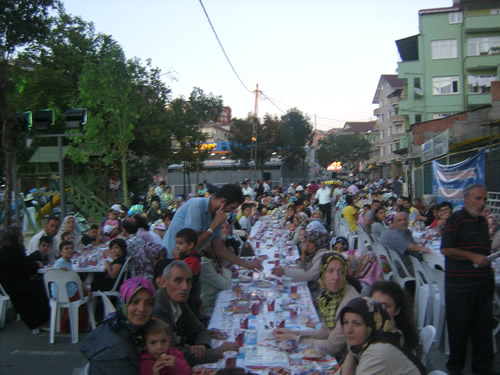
<point x="183" y="252"/>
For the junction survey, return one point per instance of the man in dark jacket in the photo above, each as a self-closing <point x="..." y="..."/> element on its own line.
<point x="188" y="334"/>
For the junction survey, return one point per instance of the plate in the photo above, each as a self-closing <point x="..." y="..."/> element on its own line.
<point x="244" y="278"/>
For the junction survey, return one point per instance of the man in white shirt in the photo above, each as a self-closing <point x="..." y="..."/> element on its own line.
<point x="247" y="190"/>
<point x="267" y="186"/>
<point x="323" y="198"/>
<point x="51" y="229"/>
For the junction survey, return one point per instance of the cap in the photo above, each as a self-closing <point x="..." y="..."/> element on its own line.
<point x="117" y="207"/>
<point x="108" y="229"/>
<point x="299" y="188"/>
<point x="158" y="224"/>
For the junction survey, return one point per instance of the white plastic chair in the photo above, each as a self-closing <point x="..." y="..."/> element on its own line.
<point x="401" y="273"/>
<point x="4" y="306"/>
<point x="434" y="260"/>
<point x="382" y="253"/>
<point x="437" y="372"/>
<point x="427" y="337"/>
<point x="364" y="240"/>
<point x="114" y="292"/>
<point x="424" y="292"/>
<point x="108" y="305"/>
<point x="436" y="277"/>
<point x="60" y="278"/>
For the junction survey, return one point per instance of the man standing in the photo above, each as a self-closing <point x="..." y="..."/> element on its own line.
<point x="51" y="229"/>
<point x="205" y="216"/>
<point x="247" y="190"/>
<point x="351" y="213"/>
<point x="323" y="198"/>
<point x="469" y="284"/>
<point x="188" y="334"/>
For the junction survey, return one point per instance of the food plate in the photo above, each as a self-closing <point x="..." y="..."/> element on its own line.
<point x="263" y="284"/>
<point x="244" y="278"/>
<point x="218" y="334"/>
<point x="263" y="257"/>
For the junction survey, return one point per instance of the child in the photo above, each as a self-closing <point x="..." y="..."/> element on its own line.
<point x="91" y="235"/>
<point x="160" y="358"/>
<point x="66" y="252"/>
<point x="244" y="221"/>
<point x="117" y="253"/>
<point x="66" y="236"/>
<point x="112" y="219"/>
<point x="185" y="243"/>
<point x="42" y="254"/>
<point x="110" y="232"/>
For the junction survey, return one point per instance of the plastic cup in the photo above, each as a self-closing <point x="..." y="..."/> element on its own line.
<point x="294" y="312"/>
<point x="240" y="338"/>
<point x="230" y="358"/>
<point x="244" y="322"/>
<point x="255" y="309"/>
<point x="280" y="322"/>
<point x="293" y="288"/>
<point x="270" y="305"/>
<point x="257" y="243"/>
<point x="276" y="263"/>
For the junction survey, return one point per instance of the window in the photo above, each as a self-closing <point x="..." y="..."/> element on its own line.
<point x="495" y="11"/>
<point x="444" y="49"/>
<point x="416" y="83"/>
<point x="382" y="151"/>
<point x="481" y="84"/>
<point x="418" y="118"/>
<point x="382" y="117"/>
<point x="485" y="45"/>
<point x="439" y="115"/>
<point x="456" y="17"/>
<point x="382" y="134"/>
<point x="445" y="85"/>
<point x="390" y="131"/>
<point x="391" y="147"/>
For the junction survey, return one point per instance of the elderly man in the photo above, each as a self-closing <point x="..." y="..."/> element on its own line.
<point x="188" y="334"/>
<point x="469" y="284"/>
<point x="205" y="216"/>
<point x="400" y="239"/>
<point x="51" y="228"/>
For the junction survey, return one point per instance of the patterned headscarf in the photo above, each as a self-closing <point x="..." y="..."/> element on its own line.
<point x="119" y="318"/>
<point x="380" y="327"/>
<point x="329" y="302"/>
<point x="319" y="238"/>
<point x="342" y="240"/>
<point x="302" y="218"/>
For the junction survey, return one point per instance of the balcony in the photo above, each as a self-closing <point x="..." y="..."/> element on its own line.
<point x="397" y="119"/>
<point x="476" y="24"/>
<point x="394" y="101"/>
<point x="376" y="112"/>
<point x="482" y="62"/>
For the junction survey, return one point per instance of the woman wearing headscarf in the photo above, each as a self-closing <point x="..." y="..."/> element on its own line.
<point x="317" y="242"/>
<point x="361" y="264"/>
<point x="18" y="277"/>
<point x="329" y="338"/>
<point x="374" y="342"/>
<point x="114" y="346"/>
<point x="300" y="221"/>
<point x="69" y="226"/>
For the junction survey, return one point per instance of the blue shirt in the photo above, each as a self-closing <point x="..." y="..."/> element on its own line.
<point x="71" y="288"/>
<point x="193" y="214"/>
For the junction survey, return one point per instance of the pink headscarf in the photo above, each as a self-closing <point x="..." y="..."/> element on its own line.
<point x="131" y="286"/>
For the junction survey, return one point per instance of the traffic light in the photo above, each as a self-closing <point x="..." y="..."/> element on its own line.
<point x="75" y="118"/>
<point x="43" y="120"/>
<point x="26" y="120"/>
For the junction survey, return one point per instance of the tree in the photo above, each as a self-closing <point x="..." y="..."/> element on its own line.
<point x="22" y="22"/>
<point x="298" y="130"/>
<point x="350" y="149"/>
<point x="241" y="140"/>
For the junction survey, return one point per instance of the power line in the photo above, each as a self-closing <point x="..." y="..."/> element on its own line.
<point x="222" y="47"/>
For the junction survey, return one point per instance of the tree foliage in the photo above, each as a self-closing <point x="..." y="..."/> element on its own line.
<point x="298" y="131"/>
<point x="350" y="149"/>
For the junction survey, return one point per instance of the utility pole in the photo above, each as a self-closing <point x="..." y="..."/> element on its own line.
<point x="254" y="131"/>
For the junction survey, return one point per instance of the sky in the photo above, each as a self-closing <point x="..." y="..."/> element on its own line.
<point x="324" y="57"/>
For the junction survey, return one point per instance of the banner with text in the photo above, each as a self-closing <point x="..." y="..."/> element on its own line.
<point x="449" y="181"/>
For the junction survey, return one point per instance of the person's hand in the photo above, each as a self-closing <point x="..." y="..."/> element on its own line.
<point x="278" y="271"/>
<point x="220" y="216"/>
<point x="164" y="361"/>
<point x="255" y="264"/>
<point x="285" y="336"/>
<point x="175" y="254"/>
<point x="40" y="264"/>
<point x="198" y="350"/>
<point x="426" y="250"/>
<point x="480" y="260"/>
<point x="228" y="346"/>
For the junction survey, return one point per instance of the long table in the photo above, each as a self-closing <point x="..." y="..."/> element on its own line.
<point x="260" y="352"/>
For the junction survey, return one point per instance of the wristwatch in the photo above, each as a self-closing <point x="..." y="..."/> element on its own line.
<point x="210" y="230"/>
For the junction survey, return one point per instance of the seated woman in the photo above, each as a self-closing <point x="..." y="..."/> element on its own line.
<point x="308" y="268"/>
<point x="378" y="227"/>
<point x="329" y="338"/>
<point x="214" y="278"/>
<point x="300" y="221"/>
<point x="18" y="276"/>
<point x="397" y="303"/>
<point x="69" y="225"/>
<point x="118" y="254"/>
<point x="374" y="342"/>
<point x="361" y="264"/>
<point x="494" y="233"/>
<point x="113" y="347"/>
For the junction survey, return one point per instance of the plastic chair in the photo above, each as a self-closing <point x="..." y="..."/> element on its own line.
<point x="114" y="292"/>
<point x="364" y="240"/>
<point x="108" y="305"/>
<point x="437" y="372"/>
<point x="4" y="306"/>
<point x="434" y="260"/>
<point x="401" y="273"/>
<point x="60" y="278"/>
<point x="427" y="337"/>
<point x="436" y="277"/>
<point x="384" y="259"/>
<point x="424" y="292"/>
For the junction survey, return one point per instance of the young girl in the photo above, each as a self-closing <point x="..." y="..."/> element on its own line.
<point x="160" y="358"/>
<point x="118" y="254"/>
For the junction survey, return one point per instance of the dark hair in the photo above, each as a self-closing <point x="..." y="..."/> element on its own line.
<point x="168" y="214"/>
<point x="404" y="320"/>
<point x="10" y="236"/>
<point x="349" y="199"/>
<point x="141" y="221"/>
<point x="65" y="234"/>
<point x="155" y="326"/>
<point x="376" y="201"/>
<point x="446" y="204"/>
<point x="129" y="226"/>
<point x="162" y="182"/>
<point x="55" y="218"/>
<point x="64" y="243"/>
<point x="367" y="205"/>
<point x="120" y="242"/>
<point x="94" y="226"/>
<point x="188" y="234"/>
<point x="231" y="192"/>
<point x="245" y="206"/>
<point x="45" y="239"/>
<point x="379" y="208"/>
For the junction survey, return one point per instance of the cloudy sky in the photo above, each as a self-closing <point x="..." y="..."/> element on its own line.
<point x="324" y="57"/>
